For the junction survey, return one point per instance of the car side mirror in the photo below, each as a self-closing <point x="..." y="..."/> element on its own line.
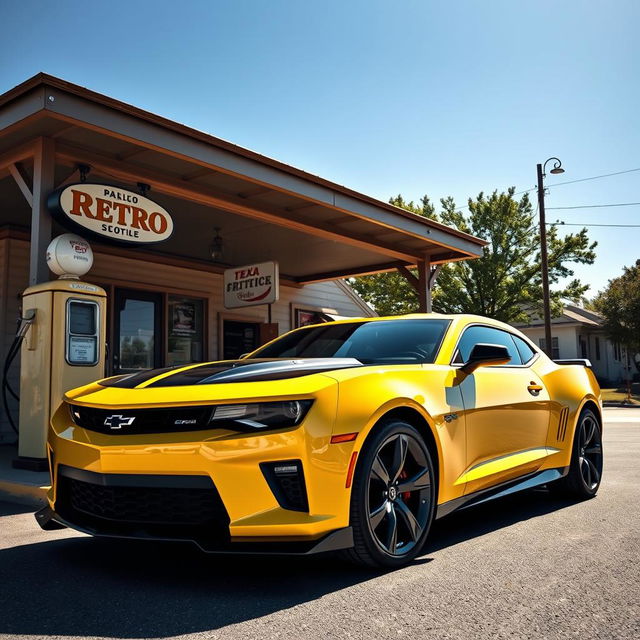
<point x="484" y="355"/>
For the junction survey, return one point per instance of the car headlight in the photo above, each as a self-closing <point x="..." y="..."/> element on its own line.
<point x="260" y="415"/>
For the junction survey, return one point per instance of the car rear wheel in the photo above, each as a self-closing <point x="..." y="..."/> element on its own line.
<point x="585" y="471"/>
<point x="393" y="497"/>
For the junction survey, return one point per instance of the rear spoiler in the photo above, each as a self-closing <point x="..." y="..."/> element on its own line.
<point x="581" y="361"/>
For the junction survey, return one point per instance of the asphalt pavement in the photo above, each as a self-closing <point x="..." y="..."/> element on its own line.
<point x="529" y="566"/>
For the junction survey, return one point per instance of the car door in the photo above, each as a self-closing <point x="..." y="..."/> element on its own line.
<point x="506" y="411"/>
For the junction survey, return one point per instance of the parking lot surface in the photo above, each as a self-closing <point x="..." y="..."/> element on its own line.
<point x="528" y="566"/>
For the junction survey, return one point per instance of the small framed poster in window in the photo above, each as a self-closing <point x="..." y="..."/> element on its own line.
<point x="303" y="316"/>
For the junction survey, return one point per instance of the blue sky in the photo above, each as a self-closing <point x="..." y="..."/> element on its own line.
<point x="384" y="96"/>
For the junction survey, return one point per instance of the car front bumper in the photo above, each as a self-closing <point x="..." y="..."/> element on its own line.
<point x="248" y="514"/>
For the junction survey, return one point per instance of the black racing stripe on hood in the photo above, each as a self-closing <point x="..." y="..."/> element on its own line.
<point x="132" y="380"/>
<point x="254" y="371"/>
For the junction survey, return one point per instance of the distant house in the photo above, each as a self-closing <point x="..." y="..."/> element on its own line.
<point x="578" y="333"/>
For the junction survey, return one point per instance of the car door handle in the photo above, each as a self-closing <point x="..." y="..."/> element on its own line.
<point x="534" y="389"/>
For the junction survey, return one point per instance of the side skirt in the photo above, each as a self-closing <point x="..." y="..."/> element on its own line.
<point x="499" y="491"/>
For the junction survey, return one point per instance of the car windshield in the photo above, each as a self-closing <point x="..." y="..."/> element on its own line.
<point x="376" y="342"/>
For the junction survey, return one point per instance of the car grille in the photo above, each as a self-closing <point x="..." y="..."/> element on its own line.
<point x="117" y="504"/>
<point x="136" y="421"/>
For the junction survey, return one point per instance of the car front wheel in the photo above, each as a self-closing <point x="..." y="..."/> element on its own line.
<point x="393" y="497"/>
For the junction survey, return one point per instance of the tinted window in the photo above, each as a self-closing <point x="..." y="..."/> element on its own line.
<point x="525" y="351"/>
<point x="383" y="342"/>
<point x="486" y="335"/>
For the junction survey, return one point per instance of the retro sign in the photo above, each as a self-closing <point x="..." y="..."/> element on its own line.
<point x="250" y="285"/>
<point x="113" y="213"/>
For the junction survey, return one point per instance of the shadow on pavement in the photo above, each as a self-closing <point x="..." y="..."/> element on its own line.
<point x="13" y="508"/>
<point x="497" y="514"/>
<point x="124" y="589"/>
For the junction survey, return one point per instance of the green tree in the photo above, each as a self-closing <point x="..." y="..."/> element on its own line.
<point x="505" y="281"/>
<point x="619" y="305"/>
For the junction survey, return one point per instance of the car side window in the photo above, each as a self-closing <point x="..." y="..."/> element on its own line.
<point x="487" y="335"/>
<point x="525" y="351"/>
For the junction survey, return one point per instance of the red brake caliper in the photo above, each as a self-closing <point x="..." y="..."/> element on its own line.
<point x="405" y="494"/>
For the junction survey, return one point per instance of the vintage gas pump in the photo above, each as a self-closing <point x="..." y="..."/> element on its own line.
<point x="63" y="348"/>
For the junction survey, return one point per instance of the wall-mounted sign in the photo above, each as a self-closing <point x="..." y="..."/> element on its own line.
<point x="111" y="212"/>
<point x="250" y="285"/>
<point x="69" y="255"/>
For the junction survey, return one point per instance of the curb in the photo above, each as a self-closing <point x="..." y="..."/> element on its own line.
<point x="619" y="405"/>
<point x="29" y="494"/>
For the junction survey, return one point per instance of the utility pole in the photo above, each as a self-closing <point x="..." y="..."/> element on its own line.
<point x="546" y="301"/>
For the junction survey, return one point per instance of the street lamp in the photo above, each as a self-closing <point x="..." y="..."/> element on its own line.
<point x="557" y="168"/>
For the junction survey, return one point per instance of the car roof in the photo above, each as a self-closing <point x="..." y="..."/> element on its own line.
<point x="459" y="318"/>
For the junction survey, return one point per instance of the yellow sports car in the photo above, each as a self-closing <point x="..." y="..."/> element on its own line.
<point x="350" y="435"/>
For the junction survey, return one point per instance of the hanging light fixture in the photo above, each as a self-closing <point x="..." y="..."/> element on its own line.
<point x="215" y="249"/>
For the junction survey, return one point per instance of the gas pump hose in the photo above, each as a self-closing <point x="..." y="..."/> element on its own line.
<point x="14" y="350"/>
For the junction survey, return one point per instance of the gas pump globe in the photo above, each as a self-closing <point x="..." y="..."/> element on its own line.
<point x="63" y="348"/>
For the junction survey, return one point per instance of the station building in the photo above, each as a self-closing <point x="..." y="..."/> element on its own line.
<point x="228" y="209"/>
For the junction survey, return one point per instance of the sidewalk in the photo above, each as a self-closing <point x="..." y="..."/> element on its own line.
<point x="18" y="485"/>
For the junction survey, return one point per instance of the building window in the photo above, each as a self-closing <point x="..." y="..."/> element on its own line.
<point x="616" y="351"/>
<point x="597" y="348"/>
<point x="583" y="348"/>
<point x="185" y="339"/>
<point x="555" y="347"/>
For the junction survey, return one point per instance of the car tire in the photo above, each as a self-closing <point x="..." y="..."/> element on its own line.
<point x="585" y="470"/>
<point x="393" y="498"/>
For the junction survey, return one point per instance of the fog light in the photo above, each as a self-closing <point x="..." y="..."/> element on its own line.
<point x="286" y="481"/>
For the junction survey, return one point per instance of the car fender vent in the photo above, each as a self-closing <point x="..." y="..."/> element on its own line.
<point x="562" y="424"/>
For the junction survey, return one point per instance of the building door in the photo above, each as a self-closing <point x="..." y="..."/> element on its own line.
<point x="137" y="331"/>
<point x="239" y="338"/>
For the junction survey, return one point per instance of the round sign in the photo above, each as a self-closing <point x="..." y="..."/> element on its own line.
<point x="69" y="255"/>
<point x="112" y="213"/>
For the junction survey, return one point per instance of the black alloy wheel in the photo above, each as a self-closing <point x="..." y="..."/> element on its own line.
<point x="585" y="472"/>
<point x="590" y="451"/>
<point x="393" y="497"/>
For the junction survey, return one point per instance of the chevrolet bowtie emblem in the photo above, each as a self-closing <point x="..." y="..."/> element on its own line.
<point x="117" y="422"/>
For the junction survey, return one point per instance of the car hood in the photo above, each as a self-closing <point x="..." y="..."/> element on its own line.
<point x="228" y="371"/>
<point x="228" y="380"/>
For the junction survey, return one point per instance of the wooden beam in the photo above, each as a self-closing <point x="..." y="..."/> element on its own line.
<point x="22" y="179"/>
<point x="435" y="272"/>
<point x="69" y="179"/>
<point x="250" y="193"/>
<point x="342" y="220"/>
<point x="43" y="176"/>
<point x="61" y="132"/>
<point x="125" y="155"/>
<point x="146" y="255"/>
<point x="300" y="207"/>
<point x="169" y="259"/>
<point x="424" y="291"/>
<point x="18" y="154"/>
<point x="225" y="202"/>
<point x="199" y="173"/>
<point x="348" y="273"/>
<point x="410" y="278"/>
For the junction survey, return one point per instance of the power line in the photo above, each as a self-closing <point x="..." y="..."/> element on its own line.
<point x="559" y="184"/>
<point x="575" y="224"/>
<point x="604" y="175"/>
<point x="598" y="206"/>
